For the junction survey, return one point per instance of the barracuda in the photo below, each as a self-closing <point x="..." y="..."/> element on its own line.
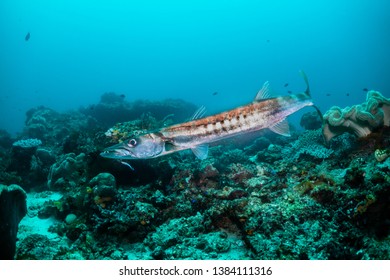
<point x="263" y="112"/>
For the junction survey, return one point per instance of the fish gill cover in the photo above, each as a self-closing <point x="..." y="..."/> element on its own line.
<point x="91" y="75"/>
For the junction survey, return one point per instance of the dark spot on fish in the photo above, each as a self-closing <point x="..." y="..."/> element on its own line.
<point x="328" y="94"/>
<point x="27" y="36"/>
<point x="365" y="89"/>
<point x="286" y="85"/>
<point x="215" y="92"/>
<point x="289" y="91"/>
<point x="122" y="96"/>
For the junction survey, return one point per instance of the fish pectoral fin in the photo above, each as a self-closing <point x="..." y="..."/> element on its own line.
<point x="281" y="128"/>
<point x="264" y="92"/>
<point x="127" y="164"/>
<point x="201" y="151"/>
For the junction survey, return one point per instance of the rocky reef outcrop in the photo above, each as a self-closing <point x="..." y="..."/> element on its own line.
<point x="13" y="208"/>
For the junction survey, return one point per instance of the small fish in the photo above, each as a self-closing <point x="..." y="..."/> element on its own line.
<point x="286" y="85"/>
<point x="328" y="94"/>
<point x="215" y="92"/>
<point x="122" y="96"/>
<point x="289" y="91"/>
<point x="347" y="94"/>
<point x="263" y="112"/>
<point x="365" y="89"/>
<point x="27" y="36"/>
<point x="268" y="41"/>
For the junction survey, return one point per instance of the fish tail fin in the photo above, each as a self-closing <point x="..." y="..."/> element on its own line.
<point x="307" y="91"/>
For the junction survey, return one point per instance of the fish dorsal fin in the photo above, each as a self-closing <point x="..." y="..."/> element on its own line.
<point x="199" y="113"/>
<point x="264" y="92"/>
<point x="281" y="128"/>
<point x="201" y="151"/>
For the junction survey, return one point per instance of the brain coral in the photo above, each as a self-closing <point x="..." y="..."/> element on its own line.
<point x="358" y="119"/>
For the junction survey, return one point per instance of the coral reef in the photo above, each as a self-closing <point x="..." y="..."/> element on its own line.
<point x="22" y="154"/>
<point x="27" y="144"/>
<point x="309" y="143"/>
<point x="5" y="140"/>
<point x="27" y="164"/>
<point x="68" y="172"/>
<point x="113" y="109"/>
<point x="257" y="197"/>
<point x="311" y="121"/>
<point x="52" y="127"/>
<point x="359" y="119"/>
<point x="186" y="238"/>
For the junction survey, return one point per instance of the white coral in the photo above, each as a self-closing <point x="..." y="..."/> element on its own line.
<point x="27" y="143"/>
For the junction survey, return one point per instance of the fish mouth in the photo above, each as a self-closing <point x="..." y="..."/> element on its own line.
<point x="116" y="155"/>
<point x="117" y="152"/>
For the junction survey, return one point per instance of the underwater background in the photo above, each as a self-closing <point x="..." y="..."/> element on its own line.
<point x="72" y="71"/>
<point x="174" y="49"/>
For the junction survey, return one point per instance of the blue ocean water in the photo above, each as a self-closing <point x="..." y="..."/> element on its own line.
<point x="78" y="50"/>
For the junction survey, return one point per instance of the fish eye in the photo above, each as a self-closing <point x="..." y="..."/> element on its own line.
<point x="132" y="142"/>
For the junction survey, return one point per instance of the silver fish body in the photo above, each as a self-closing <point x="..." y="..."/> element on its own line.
<point x="252" y="117"/>
<point x="263" y="113"/>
